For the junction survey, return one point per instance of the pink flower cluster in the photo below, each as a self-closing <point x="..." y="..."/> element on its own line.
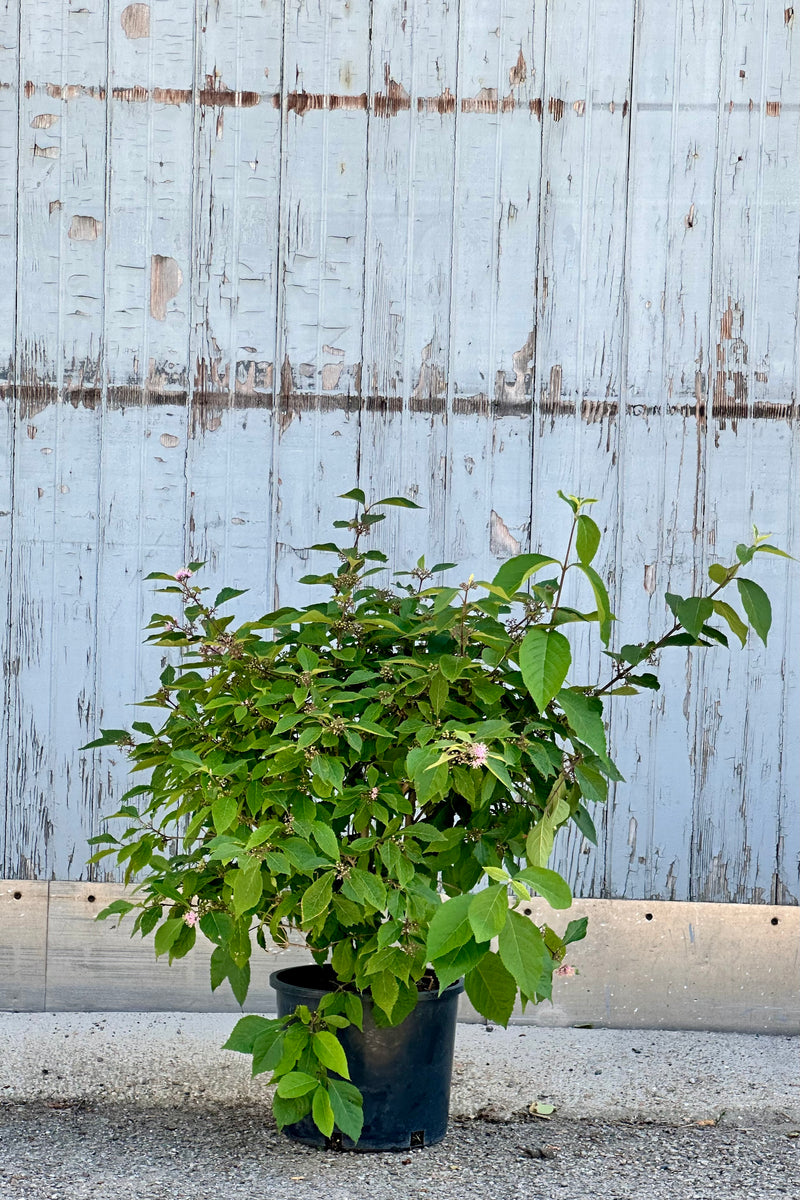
<point x="191" y="918"/>
<point x="373" y="795"/>
<point x="478" y="754"/>
<point x="564" y="969"/>
<point x="183" y="575"/>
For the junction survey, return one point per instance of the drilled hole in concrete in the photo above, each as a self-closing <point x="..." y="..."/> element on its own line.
<point x="527" y="911"/>
<point x="90" y="899"/>
<point x="17" y="895"/>
<point x="648" y="916"/>
<point x="774" y="921"/>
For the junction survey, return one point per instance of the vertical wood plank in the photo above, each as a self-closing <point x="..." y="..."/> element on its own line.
<point x="325" y="85"/>
<point x="9" y="168"/>
<point x="234" y="290"/>
<point x="736" y="819"/>
<point x="407" y="271"/>
<point x="143" y="484"/>
<point x="494" y="280"/>
<point x="671" y="220"/>
<point x="56" y="451"/>
<point x="578" y="375"/>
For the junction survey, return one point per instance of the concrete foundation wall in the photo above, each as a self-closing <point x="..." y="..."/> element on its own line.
<point x="644" y="964"/>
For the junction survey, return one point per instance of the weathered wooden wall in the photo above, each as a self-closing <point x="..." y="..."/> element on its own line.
<point x="261" y="250"/>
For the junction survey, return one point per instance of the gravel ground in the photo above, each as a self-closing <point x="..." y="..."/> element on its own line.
<point x="60" y="1150"/>
<point x="151" y="1059"/>
<point x="146" y="1106"/>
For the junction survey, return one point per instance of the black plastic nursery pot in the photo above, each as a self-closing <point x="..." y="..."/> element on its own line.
<point x="402" y="1072"/>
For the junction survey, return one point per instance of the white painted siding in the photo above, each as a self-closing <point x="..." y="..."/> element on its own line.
<point x="266" y="249"/>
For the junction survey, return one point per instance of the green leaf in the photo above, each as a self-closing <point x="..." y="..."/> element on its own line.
<point x="593" y="784"/>
<point x="601" y="600"/>
<point x="354" y="1010"/>
<point x="367" y="888"/>
<point x="734" y="621"/>
<point x="544" y="660"/>
<point x="385" y="990"/>
<point x="585" y="824"/>
<point x="228" y="593"/>
<point x="539" y="842"/>
<point x="115" y="908"/>
<point x="167" y="934"/>
<point x="224" y="811"/>
<point x="354" y="494"/>
<point x="757" y="606"/>
<point x="322" y="1112"/>
<point x="487" y="912"/>
<point x="217" y="927"/>
<point x="296" y="1083"/>
<point x="246" y="1030"/>
<point x="523" y="952"/>
<point x="439" y="691"/>
<point x="188" y="757"/>
<point x="587" y="540"/>
<point x="328" y="1049"/>
<point x="585" y="715"/>
<point x="549" y="884"/>
<point x="576" y="931"/>
<point x="398" y="502"/>
<point x="326" y="839"/>
<point x="222" y="966"/>
<point x="317" y="899"/>
<point x="515" y="571"/>
<point x="450" y="926"/>
<point x="451" y="667"/>
<point x="247" y="887"/>
<point x="427" y="783"/>
<point x="289" y="1110"/>
<point x="302" y="856"/>
<point x="721" y="575"/>
<point x="492" y="989"/>
<point x="458" y="962"/>
<point x="693" y="613"/>
<point x="346" y="1103"/>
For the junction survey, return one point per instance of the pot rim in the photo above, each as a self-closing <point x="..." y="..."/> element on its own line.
<point x="278" y="980"/>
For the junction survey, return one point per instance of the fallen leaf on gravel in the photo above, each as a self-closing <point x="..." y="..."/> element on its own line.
<point x="793" y="1133"/>
<point x="706" y="1122"/>
<point x="538" y="1109"/>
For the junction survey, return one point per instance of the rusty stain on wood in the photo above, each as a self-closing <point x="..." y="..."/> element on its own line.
<point x="773" y="108"/>
<point x="487" y="101"/>
<point x="135" y="20"/>
<point x="302" y="102"/>
<point x="556" y="108"/>
<point x="519" y="72"/>
<point x="395" y="99"/>
<point x="44" y="120"/>
<point x="443" y="103"/>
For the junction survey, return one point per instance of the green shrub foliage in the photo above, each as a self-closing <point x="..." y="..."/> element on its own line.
<point x="346" y="773"/>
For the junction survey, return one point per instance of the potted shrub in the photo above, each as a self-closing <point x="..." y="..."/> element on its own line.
<point x="350" y="772"/>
